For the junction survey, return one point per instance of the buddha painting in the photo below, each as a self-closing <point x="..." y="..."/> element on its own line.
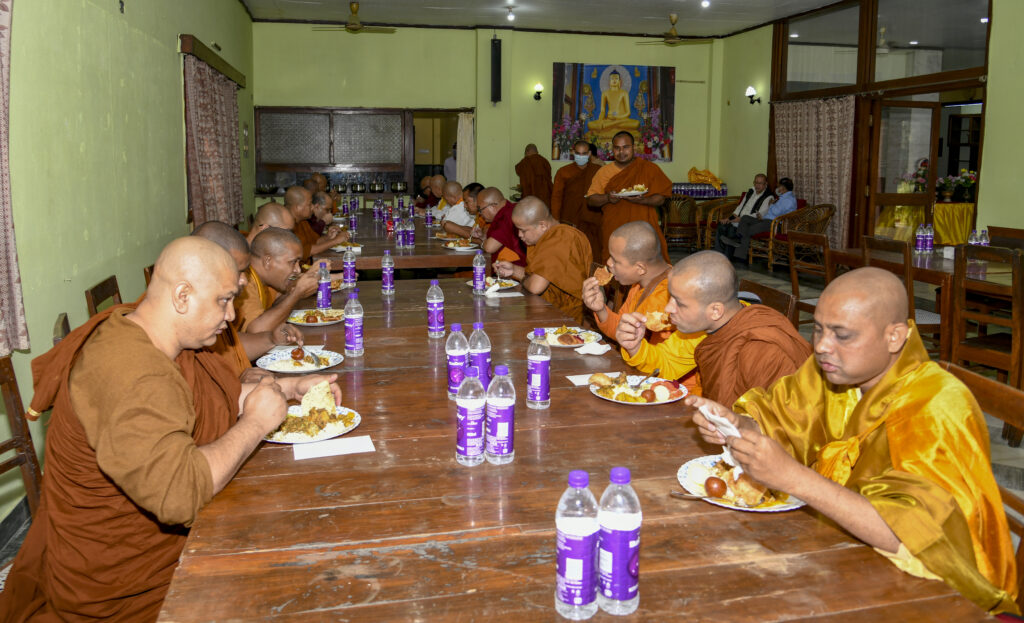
<point x="614" y="111"/>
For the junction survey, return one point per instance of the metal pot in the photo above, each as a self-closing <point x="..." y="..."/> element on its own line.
<point x="266" y="190"/>
<point x="376" y="187"/>
<point x="399" y="187"/>
<point x="340" y="188"/>
<point x="357" y="187"/>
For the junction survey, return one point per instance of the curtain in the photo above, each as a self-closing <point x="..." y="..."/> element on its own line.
<point x="465" y="158"/>
<point x="211" y="145"/>
<point x="814" y="147"/>
<point x="13" y="328"/>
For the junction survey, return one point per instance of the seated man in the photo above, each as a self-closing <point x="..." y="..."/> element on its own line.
<point x="323" y="212"/>
<point x="762" y="221"/>
<point x="469" y="195"/>
<point x="635" y="260"/>
<point x="147" y="427"/>
<point x="435" y="201"/>
<point x="275" y="281"/>
<point x="321" y="182"/>
<point x="502" y="240"/>
<point x="746" y="347"/>
<point x="423" y="193"/>
<point x="878" y="438"/>
<point x="534" y="173"/>
<point x="557" y="258"/>
<point x="458" y="220"/>
<point x="270" y="214"/>
<point x="299" y="202"/>
<point x="750" y="204"/>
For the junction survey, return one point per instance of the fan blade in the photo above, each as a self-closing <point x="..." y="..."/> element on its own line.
<point x="378" y="29"/>
<point x="329" y="28"/>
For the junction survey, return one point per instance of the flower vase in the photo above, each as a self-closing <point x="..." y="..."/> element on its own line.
<point x="555" y="152"/>
<point x="947" y="196"/>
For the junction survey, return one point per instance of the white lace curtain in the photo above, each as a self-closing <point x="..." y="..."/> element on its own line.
<point x="465" y="158"/>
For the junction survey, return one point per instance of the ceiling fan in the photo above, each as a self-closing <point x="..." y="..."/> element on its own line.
<point x="671" y="37"/>
<point x="354" y="25"/>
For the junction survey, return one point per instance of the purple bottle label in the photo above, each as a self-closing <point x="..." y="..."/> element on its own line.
<point x="539" y="373"/>
<point x="619" y="562"/>
<point x="577" y="579"/>
<point x="353" y="333"/>
<point x="323" y="295"/>
<point x="470" y="434"/>
<point x="428" y="220"/>
<point x="352" y="221"/>
<point x="482" y="362"/>
<point x="410" y="236"/>
<point x="387" y="278"/>
<point x="479" y="278"/>
<point x="456" y="372"/>
<point x="435" y="316"/>
<point x="348" y="275"/>
<point x="501" y="429"/>
<point x="344" y="209"/>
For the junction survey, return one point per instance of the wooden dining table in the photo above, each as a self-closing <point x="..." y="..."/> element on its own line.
<point x="404" y="533"/>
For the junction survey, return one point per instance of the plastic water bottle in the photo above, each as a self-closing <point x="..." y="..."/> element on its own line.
<point x="929" y="239"/>
<point x="919" y="240"/>
<point x="387" y="274"/>
<point x="480" y="353"/>
<point x="479" y="273"/>
<point x="500" y="445"/>
<point x="619" y="550"/>
<point x="983" y="238"/>
<point x="435" y="310"/>
<point x="469" y="444"/>
<point x="538" y="371"/>
<point x="457" y="349"/>
<point x="352" y="221"/>
<point x="403" y="231"/>
<point x="410" y="233"/>
<point x="428" y="219"/>
<point x="353" y="325"/>
<point x="348" y="263"/>
<point x="576" y="543"/>
<point x="399" y="233"/>
<point x="972" y="239"/>
<point x="323" y="290"/>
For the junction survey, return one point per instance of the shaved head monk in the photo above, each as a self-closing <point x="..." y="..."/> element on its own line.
<point x="457" y="220"/>
<point x="321" y="182"/>
<point x="746" y="347"/>
<point x="557" y="258"/>
<point x="270" y="214"/>
<point x="568" y="196"/>
<point x="628" y="174"/>
<point x="534" y="173"/>
<point x="323" y="212"/>
<point x="502" y="240"/>
<point x="878" y="438"/>
<point x="299" y="202"/>
<point x="276" y="282"/>
<point x="147" y="427"/>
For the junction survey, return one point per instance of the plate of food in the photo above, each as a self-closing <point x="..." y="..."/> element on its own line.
<point x="443" y="235"/>
<point x="713" y="478"/>
<point x="633" y="191"/>
<point x="567" y="337"/>
<point x="316" y="317"/>
<point x="355" y="247"/>
<point x="316" y="419"/>
<point x="503" y="284"/>
<point x="461" y="244"/>
<point x="653" y="391"/>
<point x="299" y="360"/>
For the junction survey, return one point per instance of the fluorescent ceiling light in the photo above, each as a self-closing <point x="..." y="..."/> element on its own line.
<point x="913" y="43"/>
<point x="984" y="20"/>
<point x="794" y="35"/>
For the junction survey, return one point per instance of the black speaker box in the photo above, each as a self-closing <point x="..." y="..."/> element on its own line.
<point x="495" y="70"/>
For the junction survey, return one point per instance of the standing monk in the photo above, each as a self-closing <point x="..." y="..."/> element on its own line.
<point x="568" y="197"/>
<point x="534" y="173"/>
<point x="624" y="173"/>
<point x="557" y="258"/>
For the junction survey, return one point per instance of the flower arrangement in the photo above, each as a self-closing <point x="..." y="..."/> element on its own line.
<point x="654" y="138"/>
<point x="918" y="178"/>
<point x="948" y="183"/>
<point x="565" y="134"/>
<point x="967" y="178"/>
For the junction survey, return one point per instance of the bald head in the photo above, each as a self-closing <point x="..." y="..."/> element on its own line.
<point x="273" y="215"/>
<point x="296" y="195"/>
<point x="194" y="259"/>
<point x="437" y="185"/>
<point x="711" y="277"/>
<point x="274" y="242"/>
<point x="879" y="294"/>
<point x="490" y="195"/>
<point x="530" y="149"/>
<point x="531" y="211"/>
<point x="321" y="181"/>
<point x="452" y="192"/>
<point x="227" y="238"/>
<point x="641" y="242"/>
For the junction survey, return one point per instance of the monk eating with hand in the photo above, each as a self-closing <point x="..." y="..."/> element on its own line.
<point x="502" y="240"/>
<point x="275" y="281"/>
<point x="534" y="173"/>
<point x="147" y="426"/>
<point x="299" y="202"/>
<point x="878" y="438"/>
<point x="557" y="258"/>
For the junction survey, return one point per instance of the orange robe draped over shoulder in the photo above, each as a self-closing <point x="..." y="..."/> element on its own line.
<point x="254" y="299"/>
<point x="534" y="173"/>
<point x="562" y="256"/>
<point x="569" y="202"/>
<point x="308" y="237"/>
<point x="611" y="180"/>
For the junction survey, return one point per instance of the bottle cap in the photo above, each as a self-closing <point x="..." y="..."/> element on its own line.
<point x="353" y="295"/>
<point x="323" y="264"/>
<point x="387" y="251"/>
<point x="538" y="332"/>
<point x="471" y="372"/>
<point x="619" y="475"/>
<point x="433" y="282"/>
<point x="479" y="252"/>
<point x="501" y="370"/>
<point x="478" y="325"/>
<point x="579" y="478"/>
<point x="456" y="326"/>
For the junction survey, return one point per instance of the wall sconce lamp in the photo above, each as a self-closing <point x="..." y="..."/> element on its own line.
<point x="752" y="94"/>
<point x="538" y="89"/>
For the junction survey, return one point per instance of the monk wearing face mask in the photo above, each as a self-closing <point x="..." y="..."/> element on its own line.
<point x="568" y="197"/>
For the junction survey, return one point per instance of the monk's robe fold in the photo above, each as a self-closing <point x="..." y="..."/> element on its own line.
<point x="926" y="468"/>
<point x="229" y="346"/>
<point x="124" y="474"/>
<point x="503" y="230"/>
<point x="569" y="202"/>
<point x="562" y="256"/>
<point x="254" y="299"/>
<point x="534" y="173"/>
<point x="307" y="237"/>
<point x="639" y="171"/>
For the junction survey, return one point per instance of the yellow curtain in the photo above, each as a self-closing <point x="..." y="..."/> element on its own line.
<point x="953" y="222"/>
<point x="899" y="222"/>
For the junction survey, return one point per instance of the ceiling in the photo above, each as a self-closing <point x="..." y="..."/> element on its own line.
<point x="637" y="17"/>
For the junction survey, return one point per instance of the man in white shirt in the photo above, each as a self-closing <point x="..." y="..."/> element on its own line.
<point x="449" y="164"/>
<point x="753" y="200"/>
<point x="457" y="219"/>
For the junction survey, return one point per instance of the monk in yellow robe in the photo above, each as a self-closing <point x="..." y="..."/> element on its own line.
<point x="502" y="240"/>
<point x="275" y="282"/>
<point x="557" y="258"/>
<point x="624" y="174"/>
<point x="299" y="202"/>
<point x="534" y="173"/>
<point x="746" y="346"/>
<point x="146" y="429"/>
<point x="878" y="438"/>
<point x="569" y="200"/>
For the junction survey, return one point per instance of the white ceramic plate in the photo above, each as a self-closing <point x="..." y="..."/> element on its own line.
<point x="506" y="284"/>
<point x="281" y="361"/>
<point x="355" y="247"/>
<point x="451" y="247"/>
<point x="335" y="429"/>
<point x="647" y="384"/>
<point x="589" y="337"/>
<point x="632" y="193"/>
<point x="693" y="473"/>
<point x="296" y="318"/>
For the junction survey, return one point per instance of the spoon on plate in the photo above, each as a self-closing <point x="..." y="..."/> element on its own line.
<point x="637" y="386"/>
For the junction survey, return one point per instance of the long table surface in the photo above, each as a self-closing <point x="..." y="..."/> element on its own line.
<point x="405" y="533"/>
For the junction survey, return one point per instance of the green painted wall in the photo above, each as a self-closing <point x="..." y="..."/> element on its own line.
<point x="97" y="149"/>
<point x="743" y="140"/>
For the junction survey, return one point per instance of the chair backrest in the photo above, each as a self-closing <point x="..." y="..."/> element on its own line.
<point x="902" y="249"/>
<point x="681" y="211"/>
<point x="782" y="302"/>
<point x="21" y="439"/>
<point x="1008" y="237"/>
<point x="147" y="272"/>
<point x="106" y="289"/>
<point x="809" y="254"/>
<point x="1003" y="402"/>
<point x="61" y="328"/>
<point x="814" y="219"/>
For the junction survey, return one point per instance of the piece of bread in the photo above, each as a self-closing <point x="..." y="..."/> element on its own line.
<point x="603" y="276"/>
<point x="569" y="339"/>
<point x="657" y="321"/>
<point x="601" y="380"/>
<point x="748" y="491"/>
<point x="318" y="397"/>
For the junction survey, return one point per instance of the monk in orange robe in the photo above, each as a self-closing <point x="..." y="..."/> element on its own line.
<point x="502" y="240"/>
<point x="299" y="202"/>
<point x="557" y="258"/>
<point x="624" y="174"/>
<point x="568" y="196"/>
<point x="146" y="429"/>
<point x="270" y="214"/>
<point x="534" y="173"/>
<point x="275" y="282"/>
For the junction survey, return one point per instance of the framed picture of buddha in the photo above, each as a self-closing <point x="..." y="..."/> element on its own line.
<point x="595" y="102"/>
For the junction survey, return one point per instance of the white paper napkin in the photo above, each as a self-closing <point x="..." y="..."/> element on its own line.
<point x="501" y="295"/>
<point x="728" y="429"/>
<point x="594" y="348"/>
<point x="333" y="447"/>
<point x="584" y="379"/>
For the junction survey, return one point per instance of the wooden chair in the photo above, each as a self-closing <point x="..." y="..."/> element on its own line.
<point x="809" y="254"/>
<point x="61" y="328"/>
<point x="773" y="244"/>
<point x="782" y="302"/>
<point x="106" y="289"/>
<point x="680" y="221"/>
<point x="708" y="215"/>
<point x="1006" y="237"/>
<point x="147" y="272"/>
<point x="21" y="439"/>
<point x="928" y="323"/>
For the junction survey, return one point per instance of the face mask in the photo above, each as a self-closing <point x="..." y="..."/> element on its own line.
<point x="581" y="160"/>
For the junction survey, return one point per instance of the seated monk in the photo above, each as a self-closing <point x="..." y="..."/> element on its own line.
<point x="878" y="438"/>
<point x="242" y="348"/>
<point x="502" y="240"/>
<point x="635" y="260"/>
<point x="557" y="258"/>
<point x="299" y="202"/>
<point x="423" y="193"/>
<point x="568" y="196"/>
<point x="469" y="195"/>
<point x="275" y="281"/>
<point x="270" y="214"/>
<point x="311" y="186"/>
<point x="321" y="182"/>
<point x="746" y="347"/>
<point x="323" y="212"/>
<point x="624" y="173"/>
<point x="147" y="427"/>
<point x="435" y="200"/>
<point x="534" y="173"/>
<point x="457" y="220"/>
